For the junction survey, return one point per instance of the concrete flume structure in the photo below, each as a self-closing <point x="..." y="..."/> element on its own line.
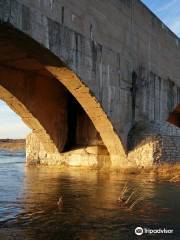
<point x="92" y="95"/>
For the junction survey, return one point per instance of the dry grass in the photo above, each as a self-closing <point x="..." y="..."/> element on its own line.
<point x="129" y="198"/>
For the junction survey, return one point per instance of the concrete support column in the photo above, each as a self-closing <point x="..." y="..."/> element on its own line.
<point x="152" y="143"/>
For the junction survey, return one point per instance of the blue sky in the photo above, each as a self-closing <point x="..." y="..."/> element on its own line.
<point x="168" y="11"/>
<point x="11" y="126"/>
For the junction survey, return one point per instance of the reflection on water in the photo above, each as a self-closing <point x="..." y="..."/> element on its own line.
<point x="29" y="210"/>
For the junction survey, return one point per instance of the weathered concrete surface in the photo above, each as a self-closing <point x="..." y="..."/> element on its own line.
<point x="153" y="143"/>
<point x="87" y="156"/>
<point x="121" y="74"/>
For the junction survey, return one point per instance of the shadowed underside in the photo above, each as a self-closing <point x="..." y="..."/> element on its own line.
<point x="174" y="117"/>
<point x="28" y="118"/>
<point x="31" y="80"/>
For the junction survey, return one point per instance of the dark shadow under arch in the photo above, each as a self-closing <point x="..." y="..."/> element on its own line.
<point x="174" y="117"/>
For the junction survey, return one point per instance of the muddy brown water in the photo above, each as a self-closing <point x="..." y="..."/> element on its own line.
<point x="29" y="209"/>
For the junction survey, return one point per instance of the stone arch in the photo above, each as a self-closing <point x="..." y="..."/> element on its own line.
<point x="93" y="109"/>
<point x="28" y="55"/>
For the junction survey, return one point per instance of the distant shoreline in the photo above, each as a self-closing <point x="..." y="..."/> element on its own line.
<point x="12" y="144"/>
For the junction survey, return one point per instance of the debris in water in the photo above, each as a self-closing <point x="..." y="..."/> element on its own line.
<point x="60" y="202"/>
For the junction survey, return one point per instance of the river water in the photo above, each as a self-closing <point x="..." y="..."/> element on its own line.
<point x="29" y="209"/>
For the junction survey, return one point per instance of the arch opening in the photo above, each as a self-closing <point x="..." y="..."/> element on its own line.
<point x="57" y="112"/>
<point x="81" y="131"/>
<point x="11" y="125"/>
<point x="40" y="88"/>
<point x="13" y="131"/>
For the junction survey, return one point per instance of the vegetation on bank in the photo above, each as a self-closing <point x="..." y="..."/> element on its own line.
<point x="12" y="144"/>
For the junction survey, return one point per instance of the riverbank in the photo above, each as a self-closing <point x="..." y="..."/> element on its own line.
<point x="166" y="172"/>
<point x="12" y="144"/>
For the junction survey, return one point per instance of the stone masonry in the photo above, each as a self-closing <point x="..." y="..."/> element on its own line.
<point x="154" y="143"/>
